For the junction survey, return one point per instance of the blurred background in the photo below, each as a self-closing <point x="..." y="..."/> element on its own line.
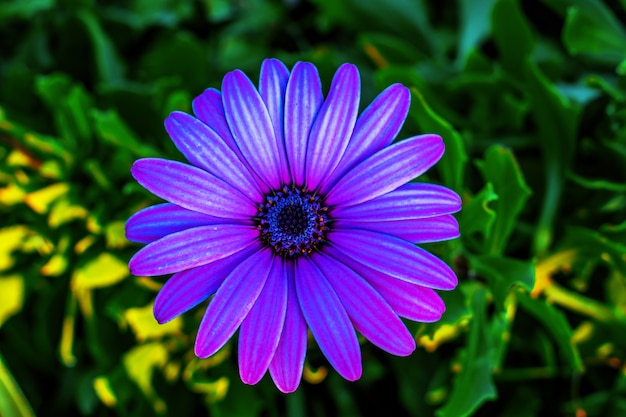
<point x="529" y="96"/>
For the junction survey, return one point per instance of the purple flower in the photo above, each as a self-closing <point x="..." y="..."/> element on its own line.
<point x="296" y="214"/>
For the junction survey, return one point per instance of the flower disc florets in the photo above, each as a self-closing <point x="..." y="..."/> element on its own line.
<point x="292" y="221"/>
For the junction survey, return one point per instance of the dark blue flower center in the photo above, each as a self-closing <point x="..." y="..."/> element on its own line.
<point x="292" y="221"/>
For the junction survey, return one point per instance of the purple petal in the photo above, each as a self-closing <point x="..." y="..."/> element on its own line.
<point x="393" y="256"/>
<point x="328" y="320"/>
<point x="192" y="188"/>
<point x="205" y="149"/>
<point x="186" y="289"/>
<point x="209" y="109"/>
<point x="387" y="170"/>
<point x="154" y="222"/>
<point x="251" y="126"/>
<point x="261" y="329"/>
<point x="232" y="302"/>
<point x="288" y="362"/>
<point x="191" y="248"/>
<point x="410" y="201"/>
<point x="303" y="99"/>
<point x="333" y="125"/>
<point x="431" y="229"/>
<point x="375" y="129"/>
<point x="407" y="300"/>
<point x="272" y="86"/>
<point x="370" y="313"/>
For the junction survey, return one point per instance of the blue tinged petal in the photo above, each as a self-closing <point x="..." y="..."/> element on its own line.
<point x="288" y="361"/>
<point x="370" y="313"/>
<point x="232" y="302"/>
<point x="375" y="128"/>
<point x="408" y="300"/>
<point x="303" y="99"/>
<point x="387" y="170"/>
<point x="328" y="320"/>
<point x="209" y="109"/>
<point x="333" y="125"/>
<point x="186" y="289"/>
<point x="261" y="329"/>
<point x="430" y="229"/>
<point x="205" y="149"/>
<point x="393" y="256"/>
<point x="250" y="124"/>
<point x="272" y="86"/>
<point x="192" y="188"/>
<point x="191" y="248"/>
<point x="160" y="220"/>
<point x="409" y="201"/>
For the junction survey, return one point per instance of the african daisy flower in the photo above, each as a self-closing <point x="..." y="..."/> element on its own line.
<point x="294" y="214"/>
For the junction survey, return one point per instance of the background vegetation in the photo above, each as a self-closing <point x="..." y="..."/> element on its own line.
<point x="529" y="96"/>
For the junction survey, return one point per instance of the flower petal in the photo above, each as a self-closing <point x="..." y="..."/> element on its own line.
<point x="408" y="300"/>
<point x="328" y="320"/>
<point x="232" y="302"/>
<point x="204" y="149"/>
<point x="370" y="313"/>
<point x="209" y="109"/>
<point x="393" y="256"/>
<point x="303" y="99"/>
<point x="192" y="188"/>
<point x="191" y="248"/>
<point x="186" y="289"/>
<point x="160" y="220"/>
<point x="251" y="126"/>
<point x="261" y="329"/>
<point x="375" y="128"/>
<point x="272" y="86"/>
<point x="410" y="201"/>
<point x="387" y="170"/>
<point x="333" y="125"/>
<point x="430" y="229"/>
<point x="288" y="361"/>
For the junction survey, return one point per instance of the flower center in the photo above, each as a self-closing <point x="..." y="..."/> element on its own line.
<point x="292" y="221"/>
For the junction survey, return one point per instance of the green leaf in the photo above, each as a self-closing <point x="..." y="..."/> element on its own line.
<point x="452" y="164"/>
<point x="111" y="129"/>
<point x="406" y="18"/>
<point x="140" y="14"/>
<point x="474" y="28"/>
<point x="591" y="29"/>
<point x="70" y="105"/>
<point x="13" y="403"/>
<point x="383" y="49"/>
<point x="24" y="9"/>
<point x="473" y="385"/>
<point x="557" y="121"/>
<point x="108" y="62"/>
<point x="513" y="36"/>
<point x="504" y="273"/>
<point x="557" y="326"/>
<point x="477" y="218"/>
<point x="596" y="246"/>
<point x="181" y="56"/>
<point x="597" y="184"/>
<point x="501" y="170"/>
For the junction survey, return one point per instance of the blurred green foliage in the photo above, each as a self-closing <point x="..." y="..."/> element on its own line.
<point x="530" y="97"/>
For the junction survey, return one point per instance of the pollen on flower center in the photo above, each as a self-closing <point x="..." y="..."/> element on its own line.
<point x="292" y="221"/>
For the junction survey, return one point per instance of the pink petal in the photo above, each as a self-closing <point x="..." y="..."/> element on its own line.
<point x="232" y="302"/>
<point x="191" y="248"/>
<point x="387" y="170"/>
<point x="328" y="320"/>
<point x="262" y="327"/>
<point x="368" y="310"/>
<point x="288" y="362"/>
